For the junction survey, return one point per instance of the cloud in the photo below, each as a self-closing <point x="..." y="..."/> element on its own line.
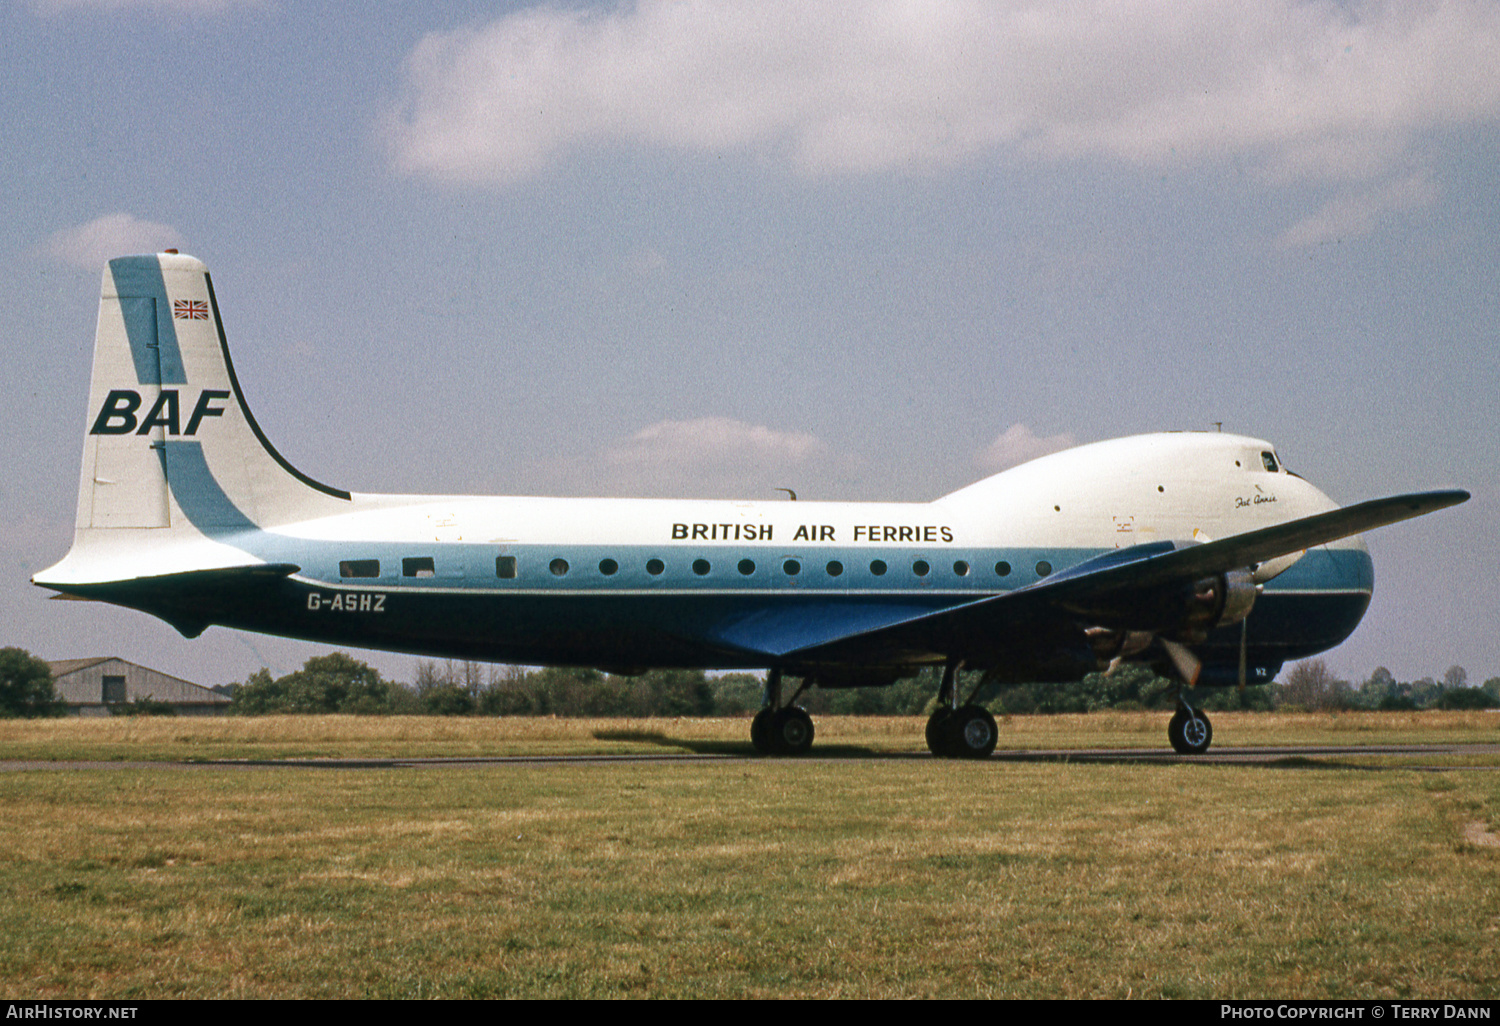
<point x="1017" y="445"/>
<point x="90" y="246"/>
<point x="1356" y="214"/>
<point x="710" y="457"/>
<point x="709" y="444"/>
<point x="1302" y="89"/>
<point x="51" y="7"/>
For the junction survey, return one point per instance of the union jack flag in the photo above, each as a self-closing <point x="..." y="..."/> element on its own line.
<point x="189" y="310"/>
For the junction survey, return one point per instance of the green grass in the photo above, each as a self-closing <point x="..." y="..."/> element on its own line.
<point x="766" y="878"/>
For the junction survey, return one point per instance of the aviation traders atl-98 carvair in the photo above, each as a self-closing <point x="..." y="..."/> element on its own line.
<point x="1198" y="553"/>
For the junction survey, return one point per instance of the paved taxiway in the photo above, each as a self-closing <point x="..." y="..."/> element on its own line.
<point x="1409" y="756"/>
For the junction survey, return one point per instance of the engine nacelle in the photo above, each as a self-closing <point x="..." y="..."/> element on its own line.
<point x="1217" y="601"/>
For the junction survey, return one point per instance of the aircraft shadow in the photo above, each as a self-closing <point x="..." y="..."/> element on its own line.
<point x="738" y="748"/>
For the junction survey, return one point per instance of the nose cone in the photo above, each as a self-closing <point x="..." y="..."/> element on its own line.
<point x="1318" y="601"/>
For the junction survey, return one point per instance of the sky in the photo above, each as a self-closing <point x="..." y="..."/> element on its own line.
<point x="712" y="248"/>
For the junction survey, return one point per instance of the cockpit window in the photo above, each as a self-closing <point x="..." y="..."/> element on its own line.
<point x="1269" y="459"/>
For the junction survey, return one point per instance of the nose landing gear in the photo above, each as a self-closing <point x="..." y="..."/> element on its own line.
<point x="1189" y="730"/>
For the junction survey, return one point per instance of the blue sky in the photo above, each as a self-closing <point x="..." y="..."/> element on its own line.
<point x="713" y="248"/>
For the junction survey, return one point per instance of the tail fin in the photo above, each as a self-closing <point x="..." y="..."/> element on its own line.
<point x="172" y="452"/>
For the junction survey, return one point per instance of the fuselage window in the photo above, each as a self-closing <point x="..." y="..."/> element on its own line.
<point x="505" y="566"/>
<point x="792" y="567"/>
<point x="835" y="568"/>
<point x="1269" y="459"/>
<point x="654" y="567"/>
<point x="960" y="569"/>
<point x="359" y="568"/>
<point x="701" y="567"/>
<point x="747" y="567"/>
<point x="608" y="567"/>
<point x="1002" y="569"/>
<point x="1043" y="568"/>
<point x="920" y="568"/>
<point x="558" y="566"/>
<point x="877" y="567"/>
<point x="417" y="566"/>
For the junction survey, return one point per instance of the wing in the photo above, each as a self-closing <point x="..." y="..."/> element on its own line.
<point x="1115" y="585"/>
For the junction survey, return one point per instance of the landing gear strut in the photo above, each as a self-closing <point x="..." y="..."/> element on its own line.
<point x="956" y="731"/>
<point x="778" y="729"/>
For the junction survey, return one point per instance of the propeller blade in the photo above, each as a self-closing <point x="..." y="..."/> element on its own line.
<point x="1188" y="665"/>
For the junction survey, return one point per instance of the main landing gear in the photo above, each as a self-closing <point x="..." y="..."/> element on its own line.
<point x="956" y="731"/>
<point x="781" y="729"/>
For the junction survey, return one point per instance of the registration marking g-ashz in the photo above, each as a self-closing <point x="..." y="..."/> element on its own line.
<point x="347" y="601"/>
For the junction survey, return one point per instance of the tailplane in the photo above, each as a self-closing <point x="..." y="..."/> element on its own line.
<point x="171" y="452"/>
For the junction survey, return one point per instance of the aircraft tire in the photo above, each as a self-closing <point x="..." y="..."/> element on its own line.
<point x="1190" y="732"/>
<point x="760" y="732"/>
<point x="937" y="735"/>
<point x="972" y="733"/>
<point x="791" y="731"/>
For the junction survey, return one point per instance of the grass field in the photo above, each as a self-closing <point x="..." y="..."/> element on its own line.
<point x="843" y="877"/>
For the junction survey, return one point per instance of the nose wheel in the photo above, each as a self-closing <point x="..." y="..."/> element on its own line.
<point x="1190" y="731"/>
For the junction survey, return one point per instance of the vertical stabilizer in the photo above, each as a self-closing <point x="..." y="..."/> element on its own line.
<point x="171" y="451"/>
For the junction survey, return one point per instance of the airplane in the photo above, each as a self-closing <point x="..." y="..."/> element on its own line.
<point x="1198" y="553"/>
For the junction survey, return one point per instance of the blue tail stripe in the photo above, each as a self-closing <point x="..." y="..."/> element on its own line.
<point x="198" y="494"/>
<point x="148" y="320"/>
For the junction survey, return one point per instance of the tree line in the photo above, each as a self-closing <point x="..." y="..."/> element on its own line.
<point x="339" y="683"/>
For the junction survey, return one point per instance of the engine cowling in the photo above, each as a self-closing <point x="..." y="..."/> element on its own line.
<point x="1217" y="601"/>
<point x="1186" y="617"/>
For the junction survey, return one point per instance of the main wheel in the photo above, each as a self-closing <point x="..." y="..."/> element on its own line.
<point x="1190" y="732"/>
<point x="972" y="733"/>
<point x="937" y="736"/>
<point x="760" y="732"/>
<point x="791" y="732"/>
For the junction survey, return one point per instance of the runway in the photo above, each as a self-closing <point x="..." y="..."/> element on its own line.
<point x="1292" y="756"/>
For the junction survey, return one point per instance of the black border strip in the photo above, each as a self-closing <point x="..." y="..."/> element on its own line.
<point x="234" y="383"/>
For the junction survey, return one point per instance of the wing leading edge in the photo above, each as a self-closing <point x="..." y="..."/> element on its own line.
<point x="1111" y="584"/>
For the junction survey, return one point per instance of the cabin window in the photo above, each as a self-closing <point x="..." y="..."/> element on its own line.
<point x="877" y="567"/>
<point x="417" y="566"/>
<point x="747" y="567"/>
<point x="558" y="566"/>
<point x="921" y="568"/>
<point x="608" y="567"/>
<point x="960" y="569"/>
<point x="654" y="567"/>
<point x="701" y="567"/>
<point x="1269" y="459"/>
<point x="1002" y="569"/>
<point x="1043" y="568"/>
<point x="792" y="568"/>
<point x="505" y="566"/>
<point x="835" y="568"/>
<point x="359" y="568"/>
<point x="114" y="689"/>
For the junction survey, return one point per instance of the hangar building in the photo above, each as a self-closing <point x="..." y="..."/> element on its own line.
<point x="91" y="686"/>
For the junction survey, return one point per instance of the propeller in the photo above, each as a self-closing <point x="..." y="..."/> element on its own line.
<point x="1188" y="665"/>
